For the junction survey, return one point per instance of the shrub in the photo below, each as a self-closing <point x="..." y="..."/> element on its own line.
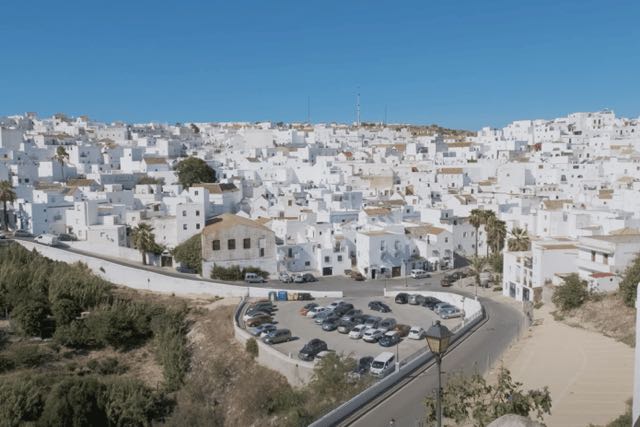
<point x="107" y="366"/>
<point x="251" y="346"/>
<point x="30" y="356"/>
<point x="30" y="317"/>
<point x="6" y="364"/>
<point x="74" y="401"/>
<point x="65" y="310"/>
<point x="21" y="402"/>
<point x="74" y="335"/>
<point x="172" y="352"/>
<point x="128" y="402"/>
<point x="572" y="294"/>
<point x="629" y="283"/>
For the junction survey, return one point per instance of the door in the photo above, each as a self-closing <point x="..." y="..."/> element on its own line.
<point x="395" y="271"/>
<point x="327" y="271"/>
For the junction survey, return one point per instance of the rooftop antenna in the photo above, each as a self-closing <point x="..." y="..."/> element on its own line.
<point x="358" y="108"/>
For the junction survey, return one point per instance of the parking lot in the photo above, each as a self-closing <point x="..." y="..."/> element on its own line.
<point x="304" y="329"/>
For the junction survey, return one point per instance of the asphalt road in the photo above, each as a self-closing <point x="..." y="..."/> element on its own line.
<point x="474" y="354"/>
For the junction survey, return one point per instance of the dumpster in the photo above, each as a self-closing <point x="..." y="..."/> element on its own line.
<point x="293" y="296"/>
<point x="282" y="295"/>
<point x="273" y="296"/>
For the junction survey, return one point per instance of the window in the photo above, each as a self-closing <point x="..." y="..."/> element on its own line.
<point x="593" y="256"/>
<point x="290" y="253"/>
<point x="446" y="240"/>
<point x="231" y="244"/>
<point x="196" y="192"/>
<point x="327" y="259"/>
<point x="215" y="245"/>
<point x="307" y="263"/>
<point x="261" y="252"/>
<point x="339" y="258"/>
<point x="197" y="213"/>
<point x="184" y="226"/>
<point x="246" y="243"/>
<point x="184" y="213"/>
<point x="197" y="226"/>
<point x="605" y="259"/>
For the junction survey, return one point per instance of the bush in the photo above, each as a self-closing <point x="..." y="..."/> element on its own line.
<point x="65" y="311"/>
<point x="74" y="335"/>
<point x="235" y="272"/>
<point x="172" y="351"/>
<point x="107" y="366"/>
<point x="572" y="294"/>
<point x="30" y="317"/>
<point x="128" y="402"/>
<point x="251" y="346"/>
<point x="21" y="402"/>
<point x="30" y="356"/>
<point x="629" y="283"/>
<point x="189" y="253"/>
<point x="6" y="364"/>
<point x="74" y="402"/>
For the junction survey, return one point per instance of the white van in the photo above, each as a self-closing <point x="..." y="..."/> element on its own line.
<point x="383" y="364"/>
<point x="253" y="278"/>
<point x="47" y="239"/>
<point x="419" y="274"/>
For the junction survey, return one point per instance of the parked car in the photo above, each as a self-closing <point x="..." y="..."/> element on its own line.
<point x="430" y="302"/>
<point x="379" y="306"/>
<point x="389" y="339"/>
<point x="416" y="333"/>
<point x="450" y="313"/>
<point x="308" y="277"/>
<point x="349" y="315"/>
<point x="402" y="330"/>
<point x="263" y="303"/>
<point x="441" y="306"/>
<point x="357" y="332"/>
<point x="184" y="269"/>
<point x="419" y="274"/>
<point x="372" y="321"/>
<point x="304" y="310"/>
<point x="304" y="296"/>
<point x="315" y="311"/>
<point x="311" y="349"/>
<point x="345" y="326"/>
<point x="250" y="314"/>
<point x="285" y="277"/>
<point x="254" y="278"/>
<point x="256" y="331"/>
<point x="363" y="366"/>
<point x="383" y="364"/>
<point x="357" y="276"/>
<point x="359" y="319"/>
<point x="387" y="324"/>
<point x="47" y="239"/>
<point x="402" y="298"/>
<point x="297" y="278"/>
<point x="416" y="299"/>
<point x="260" y="308"/>
<point x="334" y="304"/>
<point x="267" y="329"/>
<point x="372" y="335"/>
<point x="258" y="320"/>
<point x="322" y="316"/>
<point x="330" y="324"/>
<point x="22" y="233"/>
<point x="278" y="336"/>
<point x="447" y="281"/>
<point x="67" y="237"/>
<point x="343" y="309"/>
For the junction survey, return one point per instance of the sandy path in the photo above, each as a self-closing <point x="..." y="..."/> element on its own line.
<point x="589" y="375"/>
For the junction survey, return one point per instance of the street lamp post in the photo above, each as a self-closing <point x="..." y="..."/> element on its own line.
<point x="438" y="337"/>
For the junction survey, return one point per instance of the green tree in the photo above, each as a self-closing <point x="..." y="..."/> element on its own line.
<point x="518" y="240"/>
<point x="572" y="294"/>
<point x="65" y="310"/>
<point x="476" y="219"/>
<point x="331" y="379"/>
<point x="478" y="266"/>
<point x="143" y="239"/>
<point x="61" y="157"/>
<point x="74" y="402"/>
<point x="630" y="281"/>
<point x="128" y="402"/>
<point x="21" y="401"/>
<point x="7" y="195"/>
<point x="193" y="170"/>
<point x="149" y="180"/>
<point x="189" y="253"/>
<point x="30" y="316"/>
<point x="472" y="400"/>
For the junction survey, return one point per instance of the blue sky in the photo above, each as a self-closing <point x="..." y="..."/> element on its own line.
<point x="458" y="63"/>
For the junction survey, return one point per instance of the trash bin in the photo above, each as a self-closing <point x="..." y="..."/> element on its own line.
<point x="273" y="296"/>
<point x="293" y="296"/>
<point x="282" y="295"/>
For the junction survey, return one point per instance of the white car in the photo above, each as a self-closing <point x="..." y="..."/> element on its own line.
<point x="315" y="311"/>
<point x="416" y="333"/>
<point x="334" y="304"/>
<point x="372" y="335"/>
<point x="357" y="332"/>
<point x="419" y="274"/>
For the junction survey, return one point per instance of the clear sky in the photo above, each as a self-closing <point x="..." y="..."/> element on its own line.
<point x="457" y="63"/>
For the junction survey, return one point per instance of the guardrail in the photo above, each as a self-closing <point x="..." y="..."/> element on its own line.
<point x="350" y="407"/>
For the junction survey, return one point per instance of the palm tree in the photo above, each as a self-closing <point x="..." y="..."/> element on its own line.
<point x="496" y="233"/>
<point x="143" y="239"/>
<point x="519" y="240"/>
<point x="7" y="195"/>
<point x="61" y="156"/>
<point x="476" y="219"/>
<point x="478" y="266"/>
